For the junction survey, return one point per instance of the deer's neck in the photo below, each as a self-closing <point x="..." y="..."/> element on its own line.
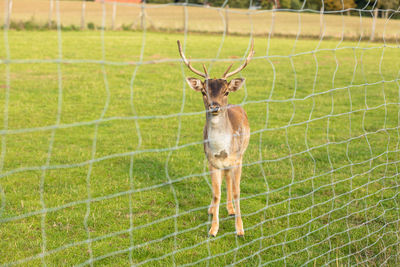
<point x="219" y="123"/>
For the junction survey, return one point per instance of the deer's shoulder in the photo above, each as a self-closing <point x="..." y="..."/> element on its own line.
<point x="238" y="117"/>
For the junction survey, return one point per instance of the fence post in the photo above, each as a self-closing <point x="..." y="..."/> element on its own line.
<point x="227" y="19"/>
<point x="83" y="15"/>
<point x="321" y="22"/>
<point x="375" y="14"/>
<point x="51" y="14"/>
<point x="142" y="16"/>
<point x="114" y="15"/>
<point x="9" y="7"/>
<point x="273" y="21"/>
<point x="183" y="17"/>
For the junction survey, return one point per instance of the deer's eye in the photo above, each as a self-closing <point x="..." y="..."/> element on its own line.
<point x="226" y="93"/>
<point x="203" y="93"/>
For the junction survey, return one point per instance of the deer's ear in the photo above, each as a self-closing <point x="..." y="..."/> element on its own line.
<point x="235" y="84"/>
<point x="195" y="84"/>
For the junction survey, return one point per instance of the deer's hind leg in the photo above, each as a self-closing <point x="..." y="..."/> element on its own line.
<point x="236" y="173"/>
<point x="229" y="192"/>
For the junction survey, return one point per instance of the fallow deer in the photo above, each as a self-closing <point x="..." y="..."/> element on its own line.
<point x="226" y="136"/>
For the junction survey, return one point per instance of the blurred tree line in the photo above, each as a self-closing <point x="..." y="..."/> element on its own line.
<point x="296" y="4"/>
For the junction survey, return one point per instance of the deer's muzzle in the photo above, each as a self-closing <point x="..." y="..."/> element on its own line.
<point x="214" y="109"/>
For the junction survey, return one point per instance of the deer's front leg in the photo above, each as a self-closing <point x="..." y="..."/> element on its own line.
<point x="216" y="178"/>
<point x="229" y="191"/>
<point x="236" y="173"/>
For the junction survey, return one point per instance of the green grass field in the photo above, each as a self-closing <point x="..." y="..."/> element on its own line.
<point x="320" y="179"/>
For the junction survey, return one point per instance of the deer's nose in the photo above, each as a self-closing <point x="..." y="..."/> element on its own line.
<point x="214" y="108"/>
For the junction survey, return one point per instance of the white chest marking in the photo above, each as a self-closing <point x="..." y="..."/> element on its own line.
<point x="219" y="139"/>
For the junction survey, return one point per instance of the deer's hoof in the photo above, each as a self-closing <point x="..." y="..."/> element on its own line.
<point x="213" y="232"/>
<point x="240" y="233"/>
<point x="231" y="211"/>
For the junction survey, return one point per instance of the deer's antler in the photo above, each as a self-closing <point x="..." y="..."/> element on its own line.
<point x="251" y="53"/>
<point x="187" y="63"/>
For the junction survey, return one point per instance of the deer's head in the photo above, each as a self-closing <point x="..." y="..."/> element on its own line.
<point x="215" y="91"/>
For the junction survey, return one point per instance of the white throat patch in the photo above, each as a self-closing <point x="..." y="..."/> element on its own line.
<point x="219" y="138"/>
